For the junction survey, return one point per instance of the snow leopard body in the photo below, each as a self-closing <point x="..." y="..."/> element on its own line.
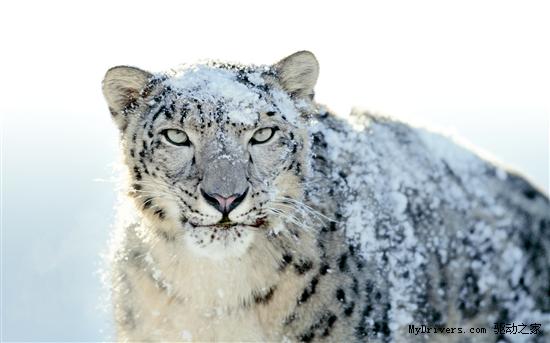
<point x="348" y="230"/>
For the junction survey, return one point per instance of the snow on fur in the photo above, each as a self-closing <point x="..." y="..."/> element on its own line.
<point x="240" y="102"/>
<point x="415" y="201"/>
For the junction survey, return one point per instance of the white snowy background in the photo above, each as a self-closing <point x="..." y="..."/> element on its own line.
<point x="477" y="68"/>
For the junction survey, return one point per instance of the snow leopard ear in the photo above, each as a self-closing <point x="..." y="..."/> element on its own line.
<point x="298" y="74"/>
<point x="122" y="88"/>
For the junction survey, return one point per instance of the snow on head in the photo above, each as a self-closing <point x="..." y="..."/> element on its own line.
<point x="241" y="94"/>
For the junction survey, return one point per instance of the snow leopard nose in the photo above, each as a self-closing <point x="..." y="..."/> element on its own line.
<point x="224" y="204"/>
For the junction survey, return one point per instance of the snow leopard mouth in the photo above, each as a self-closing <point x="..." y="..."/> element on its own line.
<point x="226" y="224"/>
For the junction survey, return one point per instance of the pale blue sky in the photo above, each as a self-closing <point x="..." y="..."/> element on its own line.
<point x="477" y="68"/>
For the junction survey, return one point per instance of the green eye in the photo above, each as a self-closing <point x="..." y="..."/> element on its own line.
<point x="263" y="135"/>
<point x="176" y="137"/>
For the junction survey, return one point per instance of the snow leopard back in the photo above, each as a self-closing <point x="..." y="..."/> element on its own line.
<point x="436" y="236"/>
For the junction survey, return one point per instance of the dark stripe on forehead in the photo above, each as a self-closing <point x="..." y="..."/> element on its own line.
<point x="218" y="112"/>
<point x="277" y="110"/>
<point x="157" y="113"/>
<point x="184" y="112"/>
<point x="243" y="77"/>
<point x="168" y="114"/>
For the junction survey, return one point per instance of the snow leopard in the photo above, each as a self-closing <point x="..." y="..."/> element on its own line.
<point x="252" y="213"/>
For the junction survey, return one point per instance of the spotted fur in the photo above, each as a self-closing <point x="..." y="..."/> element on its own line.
<point x="346" y="232"/>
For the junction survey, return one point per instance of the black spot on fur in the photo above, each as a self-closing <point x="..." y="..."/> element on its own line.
<point x="360" y="332"/>
<point x="385" y="329"/>
<point x="264" y="298"/>
<point x="288" y="320"/>
<point x="343" y="262"/>
<point x="360" y="265"/>
<point x="167" y="237"/>
<point x="307" y="337"/>
<point x="341" y="295"/>
<point x="348" y="311"/>
<point x="319" y="139"/>
<point x="329" y="324"/>
<point x="325" y="322"/>
<point x="530" y="193"/>
<point x="156" y="114"/>
<point x="436" y="318"/>
<point x="160" y="213"/>
<point x="470" y="299"/>
<point x="355" y="285"/>
<point x="342" y="175"/>
<point x="287" y="259"/>
<point x="309" y="291"/>
<point x="147" y="203"/>
<point x="137" y="173"/>
<point x="303" y="267"/>
<point x="369" y="286"/>
<point x="367" y="310"/>
<point x="381" y="327"/>
<point x="324" y="269"/>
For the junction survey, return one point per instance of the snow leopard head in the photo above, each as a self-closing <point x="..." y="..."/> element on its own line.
<point x="216" y="152"/>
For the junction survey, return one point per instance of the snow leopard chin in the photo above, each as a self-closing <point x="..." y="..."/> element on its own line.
<point x="218" y="243"/>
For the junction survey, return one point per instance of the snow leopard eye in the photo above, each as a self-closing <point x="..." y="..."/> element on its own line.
<point x="176" y="137"/>
<point x="263" y="135"/>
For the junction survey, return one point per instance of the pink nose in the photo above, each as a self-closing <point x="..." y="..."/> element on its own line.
<point x="223" y="204"/>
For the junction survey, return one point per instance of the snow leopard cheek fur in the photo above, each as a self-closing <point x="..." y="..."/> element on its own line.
<point x="155" y="195"/>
